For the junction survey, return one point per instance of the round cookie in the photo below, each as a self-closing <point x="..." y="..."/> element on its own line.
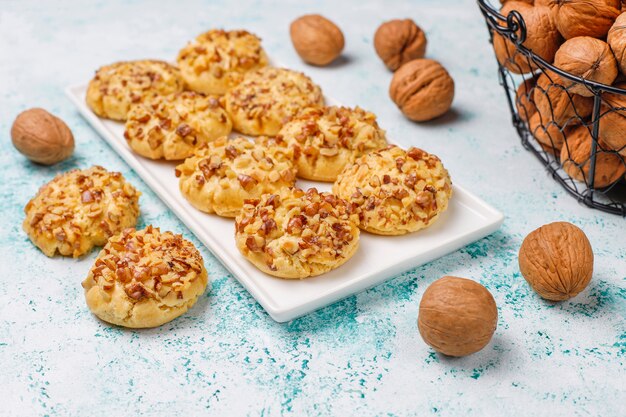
<point x="297" y="234"/>
<point x="173" y="127"/>
<point x="115" y="87"/>
<point x="267" y="98"/>
<point x="326" y="139"/>
<point x="78" y="210"/>
<point x="145" y="278"/>
<point x="218" y="178"/>
<point x="217" y="60"/>
<point x="396" y="191"/>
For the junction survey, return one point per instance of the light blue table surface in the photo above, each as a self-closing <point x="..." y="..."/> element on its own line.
<point x="362" y="356"/>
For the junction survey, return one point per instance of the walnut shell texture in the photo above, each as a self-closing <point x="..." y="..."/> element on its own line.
<point x="555" y="102"/>
<point x="42" y="137"/>
<point x="557" y="261"/>
<point x="588" y="58"/>
<point x="575" y="157"/>
<point x="524" y="100"/>
<point x="399" y="41"/>
<point x="586" y="17"/>
<point x="542" y="37"/>
<point x="549" y="135"/>
<point x="457" y="316"/>
<point x="617" y="41"/>
<point x="317" y="40"/>
<point x="613" y="121"/>
<point x="422" y="89"/>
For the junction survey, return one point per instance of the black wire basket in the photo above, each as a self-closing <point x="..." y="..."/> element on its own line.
<point x="577" y="137"/>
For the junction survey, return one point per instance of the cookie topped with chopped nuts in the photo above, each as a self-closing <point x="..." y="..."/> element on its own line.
<point x="218" y="178"/>
<point x="78" y="210"/>
<point x="268" y="98"/>
<point x="145" y="278"/>
<point x="297" y="234"/>
<point x="326" y="139"/>
<point x="217" y="60"/>
<point x="395" y="191"/>
<point x="115" y="87"/>
<point x="173" y="127"/>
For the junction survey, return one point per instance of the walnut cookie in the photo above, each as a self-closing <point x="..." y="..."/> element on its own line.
<point x="217" y="60"/>
<point x="145" y="278"/>
<point x="218" y="178"/>
<point x="115" y="87"/>
<point x="267" y="98"/>
<point x="297" y="234"/>
<point x="326" y="139"/>
<point x="173" y="127"/>
<point x="396" y="191"/>
<point x="78" y="210"/>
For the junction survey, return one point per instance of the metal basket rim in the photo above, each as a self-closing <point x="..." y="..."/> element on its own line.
<point x="492" y="16"/>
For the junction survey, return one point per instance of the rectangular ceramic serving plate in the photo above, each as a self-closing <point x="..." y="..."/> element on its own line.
<point x="377" y="260"/>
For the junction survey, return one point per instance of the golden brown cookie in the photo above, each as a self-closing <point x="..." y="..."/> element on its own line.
<point x="145" y="278"/>
<point x="396" y="191"/>
<point x="297" y="234"/>
<point x="218" y="178"/>
<point x="78" y="210"/>
<point x="173" y="127"/>
<point x="267" y="98"/>
<point x="217" y="60"/>
<point x="326" y="139"/>
<point x="115" y="87"/>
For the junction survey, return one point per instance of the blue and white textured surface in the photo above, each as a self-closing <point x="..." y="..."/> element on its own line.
<point x="362" y="356"/>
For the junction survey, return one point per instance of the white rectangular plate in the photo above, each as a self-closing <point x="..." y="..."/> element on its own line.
<point x="378" y="259"/>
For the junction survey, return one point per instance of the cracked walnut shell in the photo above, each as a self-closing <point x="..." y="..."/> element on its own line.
<point x="317" y="40"/>
<point x="422" y="89"/>
<point x="557" y="261"/>
<point x="398" y="42"/>
<point x="457" y="316"/>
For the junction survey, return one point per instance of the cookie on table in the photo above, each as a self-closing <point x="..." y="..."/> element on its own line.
<point x="217" y="60"/>
<point x="173" y="127"/>
<point x="145" y="278"/>
<point x="396" y="191"/>
<point x="297" y="234"/>
<point x="78" y="210"/>
<point x="268" y="98"/>
<point x="218" y="178"/>
<point x="326" y="139"/>
<point x="115" y="87"/>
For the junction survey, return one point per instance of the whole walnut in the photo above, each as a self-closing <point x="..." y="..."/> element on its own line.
<point x="613" y="121"/>
<point x="524" y="100"/>
<point x="398" y="42"/>
<point x="542" y="37"/>
<point x="317" y="40"/>
<point x="42" y="137"/>
<point x="586" y="17"/>
<point x="549" y="135"/>
<point x="576" y="154"/>
<point x="457" y="316"/>
<point x="588" y="58"/>
<point x="617" y="41"/>
<point x="555" y="102"/>
<point x="422" y="89"/>
<point x="557" y="261"/>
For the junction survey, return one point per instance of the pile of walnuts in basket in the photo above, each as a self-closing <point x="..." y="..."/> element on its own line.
<point x="587" y="39"/>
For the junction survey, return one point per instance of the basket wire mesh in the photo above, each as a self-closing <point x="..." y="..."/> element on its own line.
<point x="567" y="132"/>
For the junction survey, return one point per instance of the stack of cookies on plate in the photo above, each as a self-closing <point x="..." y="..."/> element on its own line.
<point x="224" y="82"/>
